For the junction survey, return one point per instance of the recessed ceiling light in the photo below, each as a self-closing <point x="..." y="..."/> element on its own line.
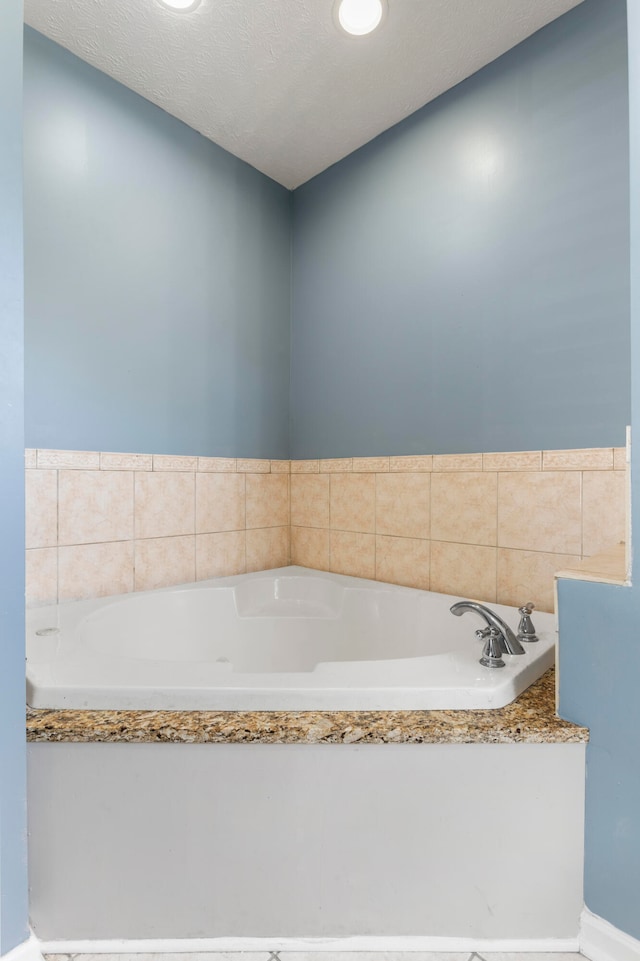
<point x="359" y="17"/>
<point x="181" y="6"/>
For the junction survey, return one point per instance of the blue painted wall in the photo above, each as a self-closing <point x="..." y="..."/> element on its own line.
<point x="461" y="283"/>
<point x="13" y="832"/>
<point x="157" y="276"/>
<point x="600" y="648"/>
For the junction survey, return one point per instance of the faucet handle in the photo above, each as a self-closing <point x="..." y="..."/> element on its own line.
<point x="492" y="652"/>
<point x="526" y="630"/>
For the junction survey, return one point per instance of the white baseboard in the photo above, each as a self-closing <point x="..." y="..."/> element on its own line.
<point x="601" y="941"/>
<point x="29" y="950"/>
<point x="598" y="940"/>
<point x="369" y="944"/>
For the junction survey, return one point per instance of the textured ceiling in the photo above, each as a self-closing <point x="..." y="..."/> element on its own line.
<point x="274" y="81"/>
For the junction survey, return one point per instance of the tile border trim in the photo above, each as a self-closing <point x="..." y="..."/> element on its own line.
<point x="578" y="459"/>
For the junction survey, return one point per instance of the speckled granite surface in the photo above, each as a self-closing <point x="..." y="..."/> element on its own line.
<point x="531" y="719"/>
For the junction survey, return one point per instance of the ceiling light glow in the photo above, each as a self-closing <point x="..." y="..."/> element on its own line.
<point x="181" y="6"/>
<point x="359" y="17"/>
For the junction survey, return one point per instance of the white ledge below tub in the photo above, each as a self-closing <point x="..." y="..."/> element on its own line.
<point x="608" y="567"/>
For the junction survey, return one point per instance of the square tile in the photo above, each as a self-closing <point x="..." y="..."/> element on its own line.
<point x="268" y="548"/>
<point x="603" y="510"/>
<point x="353" y="554"/>
<point x="540" y="511"/>
<point x="310" y="547"/>
<point x="529" y="576"/>
<point x="464" y="507"/>
<point x="403" y="504"/>
<point x="267" y="500"/>
<point x="220" y="555"/>
<point x="353" y="502"/>
<point x="164" y="503"/>
<point x="95" y="570"/>
<point x="466" y="570"/>
<point x="165" y="561"/>
<point x="41" y="576"/>
<point x="403" y="560"/>
<point x="220" y="502"/>
<point x="95" y="506"/>
<point x="41" y="508"/>
<point x="310" y="500"/>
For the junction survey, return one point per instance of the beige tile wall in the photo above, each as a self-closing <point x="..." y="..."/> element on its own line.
<point x="105" y="523"/>
<point x="491" y="526"/>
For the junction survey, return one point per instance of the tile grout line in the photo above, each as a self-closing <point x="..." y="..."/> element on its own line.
<point x="430" y="530"/>
<point x="581" y="517"/>
<point x="330" y="528"/>
<point x="243" y="485"/>
<point x="375" y="525"/>
<point x="135" y="527"/>
<point x="290" y="535"/>
<point x="195" y="569"/>
<point x="57" y="537"/>
<point x="375" y="475"/>
<point x="497" y="528"/>
<point x="582" y="514"/>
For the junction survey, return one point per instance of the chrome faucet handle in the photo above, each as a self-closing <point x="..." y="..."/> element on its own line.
<point x="492" y="651"/>
<point x="509" y="641"/>
<point x="526" y="630"/>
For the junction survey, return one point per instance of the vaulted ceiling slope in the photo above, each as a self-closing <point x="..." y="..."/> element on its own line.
<point x="274" y="81"/>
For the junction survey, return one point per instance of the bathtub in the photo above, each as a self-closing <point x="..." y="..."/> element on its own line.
<point x="287" y="639"/>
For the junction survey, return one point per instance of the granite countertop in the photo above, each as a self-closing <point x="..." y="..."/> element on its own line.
<point x="529" y="720"/>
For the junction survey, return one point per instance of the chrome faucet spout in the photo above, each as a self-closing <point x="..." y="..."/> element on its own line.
<point x="509" y="642"/>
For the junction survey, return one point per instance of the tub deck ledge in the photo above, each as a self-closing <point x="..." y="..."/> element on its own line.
<point x="531" y="719"/>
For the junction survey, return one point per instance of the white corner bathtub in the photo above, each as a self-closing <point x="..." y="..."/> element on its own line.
<point x="287" y="639"/>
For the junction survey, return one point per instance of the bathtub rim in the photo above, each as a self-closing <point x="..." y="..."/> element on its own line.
<point x="491" y="690"/>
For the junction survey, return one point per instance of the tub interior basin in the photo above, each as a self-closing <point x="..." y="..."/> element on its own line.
<point x="286" y="639"/>
<point x="288" y="597"/>
<point x="283" y="624"/>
